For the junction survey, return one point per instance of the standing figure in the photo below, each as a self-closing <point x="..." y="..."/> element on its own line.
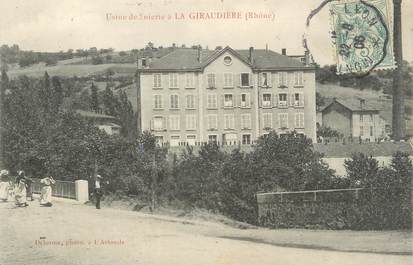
<point x="98" y="192"/>
<point x="4" y="185"/>
<point x="20" y="191"/>
<point x="46" y="194"/>
<point x="29" y="193"/>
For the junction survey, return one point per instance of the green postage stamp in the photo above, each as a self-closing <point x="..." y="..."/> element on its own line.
<point x="362" y="33"/>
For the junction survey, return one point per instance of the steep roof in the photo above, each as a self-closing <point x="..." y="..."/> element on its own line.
<point x="187" y="59"/>
<point x="352" y="105"/>
<point x="370" y="149"/>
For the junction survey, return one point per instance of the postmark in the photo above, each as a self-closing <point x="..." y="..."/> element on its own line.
<point x="362" y="35"/>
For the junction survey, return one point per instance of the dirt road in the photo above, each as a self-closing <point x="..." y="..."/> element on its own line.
<point x="77" y="234"/>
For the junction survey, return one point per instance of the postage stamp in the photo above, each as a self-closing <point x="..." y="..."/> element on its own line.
<point x="362" y="33"/>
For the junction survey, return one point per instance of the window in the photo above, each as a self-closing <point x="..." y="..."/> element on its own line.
<point x="144" y="64"/>
<point x="227" y="60"/>
<point x="230" y="138"/>
<point x="191" y="139"/>
<point x="283" y="120"/>
<point x="173" y="80"/>
<point x="245" y="100"/>
<point x="213" y="138"/>
<point x="371" y="131"/>
<point x="212" y="102"/>
<point x="282" y="99"/>
<point x="265" y="79"/>
<point x="361" y="130"/>
<point x="266" y="100"/>
<point x="211" y="80"/>
<point x="158" y="123"/>
<point x="298" y="78"/>
<point x="245" y="121"/>
<point x="174" y="103"/>
<point x="157" y="102"/>
<point x="159" y="140"/>
<point x="174" y="122"/>
<point x="228" y="101"/>
<point x="212" y="122"/>
<point x="371" y="117"/>
<point x="157" y="80"/>
<point x="229" y="121"/>
<point x="298" y="100"/>
<point x="283" y="76"/>
<point x="267" y="120"/>
<point x="245" y="79"/>
<point x="175" y="139"/>
<point x="190" y="101"/>
<point x="191" y="122"/>
<point x="228" y="81"/>
<point x="299" y="120"/>
<point x="246" y="139"/>
<point x="189" y="77"/>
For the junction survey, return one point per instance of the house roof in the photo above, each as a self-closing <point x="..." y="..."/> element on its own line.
<point x="352" y="105"/>
<point x="187" y="59"/>
<point x="94" y="115"/>
<point x="371" y="149"/>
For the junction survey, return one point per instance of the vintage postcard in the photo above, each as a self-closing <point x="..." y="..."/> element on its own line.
<point x="206" y="132"/>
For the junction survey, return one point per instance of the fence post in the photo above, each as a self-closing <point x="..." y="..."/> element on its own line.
<point x="82" y="190"/>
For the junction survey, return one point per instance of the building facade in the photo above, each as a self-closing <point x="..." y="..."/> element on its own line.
<point x="226" y="96"/>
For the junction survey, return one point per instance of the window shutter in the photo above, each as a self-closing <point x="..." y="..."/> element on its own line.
<point x="269" y="79"/>
<point x="222" y="100"/>
<point x="249" y="100"/>
<point x="250" y="79"/>
<point x="301" y="99"/>
<point x="292" y="99"/>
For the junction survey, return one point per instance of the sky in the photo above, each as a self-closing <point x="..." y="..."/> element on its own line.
<point x="49" y="25"/>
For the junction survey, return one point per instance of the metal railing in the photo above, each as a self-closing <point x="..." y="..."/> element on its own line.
<point x="62" y="189"/>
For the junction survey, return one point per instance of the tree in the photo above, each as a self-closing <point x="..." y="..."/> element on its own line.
<point x="109" y="101"/>
<point x="46" y="94"/>
<point x="57" y="98"/>
<point x="4" y="83"/>
<point x="361" y="170"/>
<point x="94" y="100"/>
<point x="127" y="116"/>
<point x="290" y="162"/>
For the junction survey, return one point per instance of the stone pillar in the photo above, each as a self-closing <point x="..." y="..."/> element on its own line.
<point x="82" y="190"/>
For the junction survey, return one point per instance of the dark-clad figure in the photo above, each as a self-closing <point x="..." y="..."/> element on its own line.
<point x="20" y="190"/>
<point x="99" y="189"/>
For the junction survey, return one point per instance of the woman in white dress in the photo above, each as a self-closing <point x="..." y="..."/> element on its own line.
<point x="20" y="191"/>
<point x="46" y="194"/>
<point x="4" y="185"/>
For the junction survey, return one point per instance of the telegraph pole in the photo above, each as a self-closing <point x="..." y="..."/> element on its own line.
<point x="399" y="122"/>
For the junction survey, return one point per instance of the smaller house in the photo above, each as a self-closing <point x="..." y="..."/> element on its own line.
<point x="354" y="119"/>
<point x="107" y="123"/>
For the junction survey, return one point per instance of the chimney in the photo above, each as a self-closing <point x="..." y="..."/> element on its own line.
<point x="251" y="55"/>
<point x="199" y="53"/>
<point x="284" y="51"/>
<point x="307" y="57"/>
<point x="362" y="103"/>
